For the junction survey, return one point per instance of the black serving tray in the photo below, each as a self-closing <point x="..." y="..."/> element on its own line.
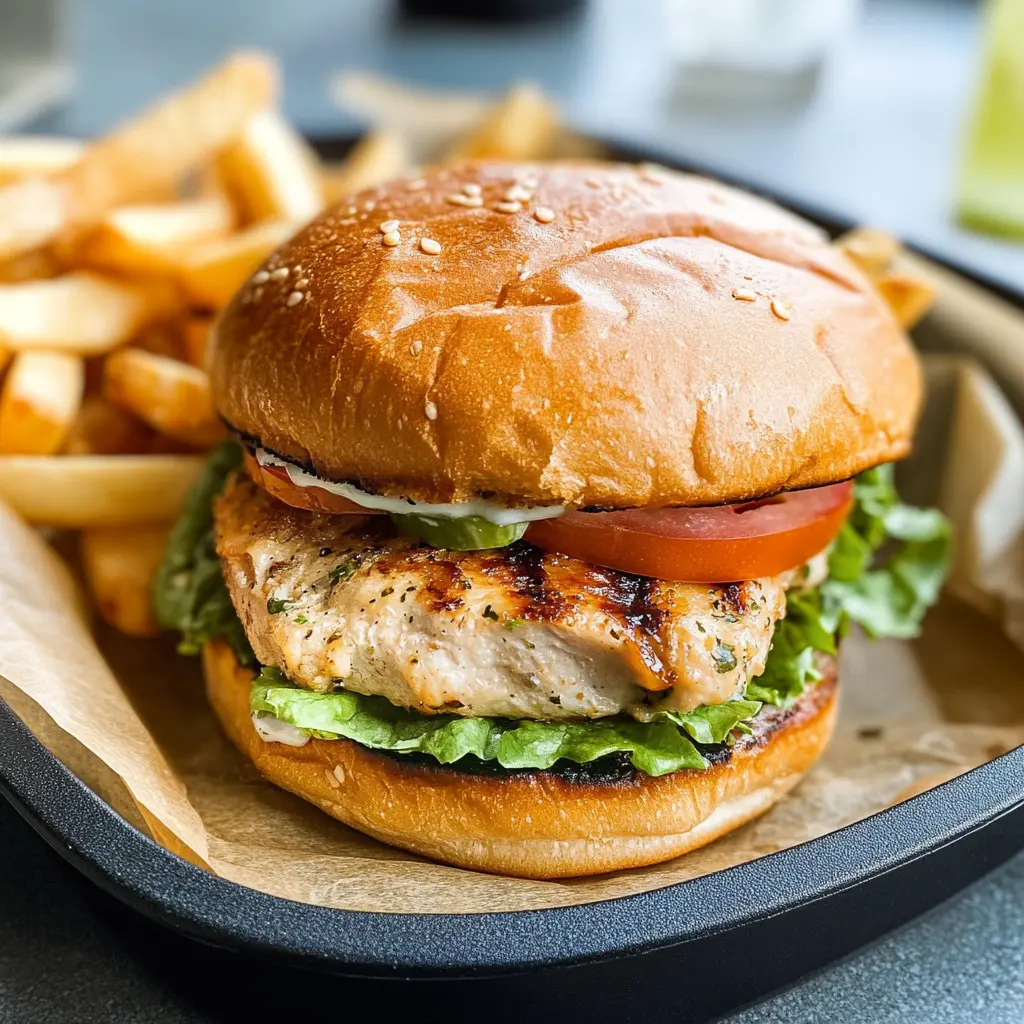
<point x="689" y="951"/>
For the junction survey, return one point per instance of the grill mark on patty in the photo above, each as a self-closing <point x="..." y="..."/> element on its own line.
<point x="631" y="601"/>
<point x="734" y="598"/>
<point x="444" y="583"/>
<point x="521" y="569"/>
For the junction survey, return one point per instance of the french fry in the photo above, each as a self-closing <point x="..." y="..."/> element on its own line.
<point x="521" y="126"/>
<point x="873" y="250"/>
<point x="378" y="156"/>
<point x="172" y="397"/>
<point x="271" y="171"/>
<point x="166" y="338"/>
<point x="82" y="491"/>
<point x="143" y="159"/>
<point x="197" y="337"/>
<point x="120" y="566"/>
<point x="39" y="263"/>
<point x="148" y="238"/>
<point x="40" y="398"/>
<point x="33" y="156"/>
<point x="154" y="152"/>
<point x="79" y="312"/>
<point x="102" y="427"/>
<point x="881" y="257"/>
<point x="211" y="273"/>
<point x="32" y="213"/>
<point x="909" y="297"/>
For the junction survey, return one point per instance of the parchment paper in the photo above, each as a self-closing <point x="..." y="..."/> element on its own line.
<point x="129" y="716"/>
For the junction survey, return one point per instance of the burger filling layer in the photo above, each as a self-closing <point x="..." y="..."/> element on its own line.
<point x="515" y="655"/>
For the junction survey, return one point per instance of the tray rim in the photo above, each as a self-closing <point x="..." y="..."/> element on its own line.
<point x="91" y="836"/>
<point x="80" y="826"/>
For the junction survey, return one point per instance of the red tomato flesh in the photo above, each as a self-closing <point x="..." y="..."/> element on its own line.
<point x="719" y="544"/>
<point x="274" y="480"/>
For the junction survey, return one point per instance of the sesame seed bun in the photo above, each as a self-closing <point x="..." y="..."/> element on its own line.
<point x="536" y="824"/>
<point x="593" y="335"/>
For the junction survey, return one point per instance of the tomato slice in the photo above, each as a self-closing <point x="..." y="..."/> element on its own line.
<point x="720" y="544"/>
<point x="274" y="480"/>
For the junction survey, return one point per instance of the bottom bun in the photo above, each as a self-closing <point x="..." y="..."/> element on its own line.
<point x="534" y="824"/>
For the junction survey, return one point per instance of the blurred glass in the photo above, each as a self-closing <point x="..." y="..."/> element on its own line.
<point x="753" y="51"/>
<point x="35" y="72"/>
<point x="991" y="197"/>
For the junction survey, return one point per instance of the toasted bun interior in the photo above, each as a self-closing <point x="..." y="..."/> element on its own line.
<point x="659" y="339"/>
<point x="537" y="824"/>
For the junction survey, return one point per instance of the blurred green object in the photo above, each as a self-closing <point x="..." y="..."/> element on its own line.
<point x="991" y="194"/>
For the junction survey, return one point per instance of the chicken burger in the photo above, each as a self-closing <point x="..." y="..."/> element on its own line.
<point x="551" y="489"/>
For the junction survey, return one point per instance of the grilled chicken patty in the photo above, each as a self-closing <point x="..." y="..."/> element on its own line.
<point x="517" y="632"/>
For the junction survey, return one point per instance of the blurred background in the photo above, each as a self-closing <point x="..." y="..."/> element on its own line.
<point x="905" y="114"/>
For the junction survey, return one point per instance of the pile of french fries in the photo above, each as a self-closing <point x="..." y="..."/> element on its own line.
<point x="116" y="256"/>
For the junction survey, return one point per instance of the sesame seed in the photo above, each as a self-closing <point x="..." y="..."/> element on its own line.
<point x="744" y="294"/>
<point x="472" y="189"/>
<point x="280" y="274"/>
<point x="294" y="299"/>
<point x="391" y="239"/>
<point x="594" y="182"/>
<point x="430" y="410"/>
<point x="430" y="247"/>
<point x="257" y="295"/>
<point x="339" y="773"/>
<point x="780" y="309"/>
<point x="650" y="462"/>
<point x="523" y="275"/>
<point x="474" y="201"/>
<point x="457" y="199"/>
<point x="416" y="184"/>
<point x="416" y="347"/>
<point x="508" y="207"/>
<point x="544" y="214"/>
<point x="302" y="282"/>
<point x="370" y="205"/>
<point x="531" y="182"/>
<point x="388" y="226"/>
<point x="332" y="780"/>
<point x="517" y="194"/>
<point x="260" y="277"/>
<point x="351" y="211"/>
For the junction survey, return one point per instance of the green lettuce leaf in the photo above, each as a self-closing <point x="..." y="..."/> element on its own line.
<point x="891" y="597"/>
<point x="189" y="594"/>
<point x="886" y="596"/>
<point x="656" y="748"/>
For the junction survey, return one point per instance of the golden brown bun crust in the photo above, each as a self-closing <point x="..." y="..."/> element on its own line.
<point x="599" y="359"/>
<point x="536" y="825"/>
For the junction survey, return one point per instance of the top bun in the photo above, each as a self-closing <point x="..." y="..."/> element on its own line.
<point x="628" y="337"/>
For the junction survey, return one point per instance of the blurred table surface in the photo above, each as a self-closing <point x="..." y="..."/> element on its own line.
<point x="878" y="143"/>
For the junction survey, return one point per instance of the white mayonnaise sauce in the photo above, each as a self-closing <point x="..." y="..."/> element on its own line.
<point x="496" y="514"/>
<point x="273" y="730"/>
